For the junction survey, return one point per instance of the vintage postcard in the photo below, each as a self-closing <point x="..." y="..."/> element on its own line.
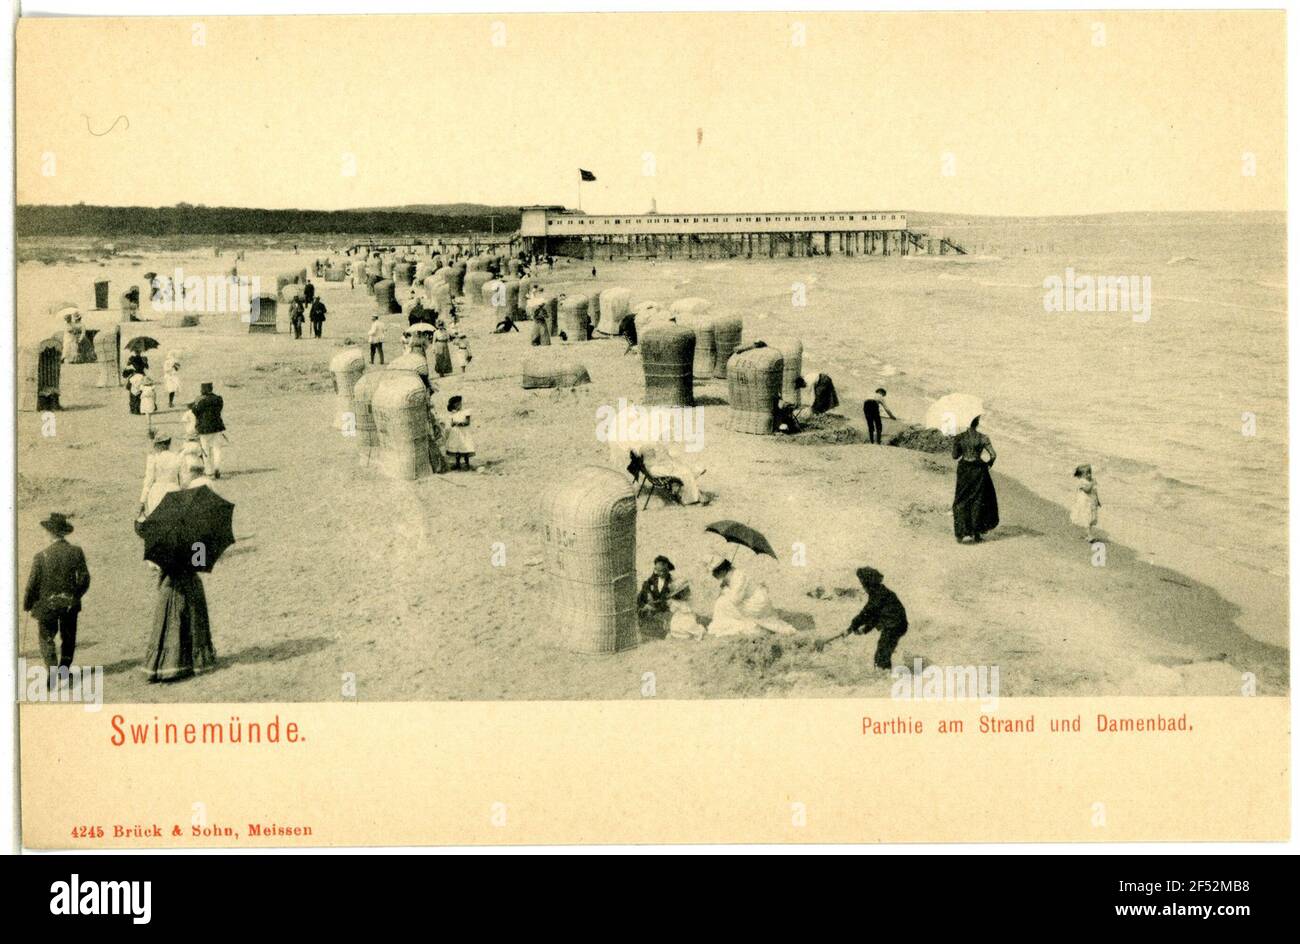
<point x="592" y="428"/>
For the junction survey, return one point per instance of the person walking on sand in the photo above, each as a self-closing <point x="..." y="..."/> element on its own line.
<point x="442" y="350"/>
<point x="871" y="408"/>
<point x="210" y="427"/>
<point x="171" y="378"/>
<point x="1087" y="499"/>
<point x="975" y="501"/>
<point x="162" y="474"/>
<point x="376" y="336"/>
<point x="296" y="316"/>
<point x="58" y="580"/>
<point x="460" y="355"/>
<point x="148" y="401"/>
<point x="180" y="639"/>
<point x="134" y="388"/>
<point x="317" y="317"/>
<point x="883" y="611"/>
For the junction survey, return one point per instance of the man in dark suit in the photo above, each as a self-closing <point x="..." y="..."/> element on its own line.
<point x="58" y="581"/>
<point x="209" y="425"/>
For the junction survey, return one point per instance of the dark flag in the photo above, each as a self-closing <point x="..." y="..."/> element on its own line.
<point x="586" y="174"/>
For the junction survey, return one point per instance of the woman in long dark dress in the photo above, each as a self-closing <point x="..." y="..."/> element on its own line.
<point x="180" y="639"/>
<point x="975" y="502"/>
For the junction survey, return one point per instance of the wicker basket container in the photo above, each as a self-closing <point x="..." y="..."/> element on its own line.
<point x="726" y="338"/>
<point x="648" y="313"/>
<point x="290" y="278"/>
<point x="546" y="367"/>
<point x="667" y="354"/>
<point x="386" y="297"/>
<point x="130" y="300"/>
<point x="364" y="417"/>
<point x="403" y="273"/>
<point x="792" y="353"/>
<point x="261" y="315"/>
<point x="437" y="293"/>
<point x="400" y="406"/>
<point x="475" y="279"/>
<point x="386" y="265"/>
<point x="108" y="355"/>
<point x="526" y="291"/>
<point x="455" y="279"/>
<point x="688" y="309"/>
<point x="422" y="271"/>
<point x="509" y="307"/>
<point x="753" y="385"/>
<point x="705" y="350"/>
<point x="346" y="366"/>
<point x="40" y="369"/>
<point x="574" y="316"/>
<point x="589" y="535"/>
<point x="615" y="303"/>
<point x="493" y="294"/>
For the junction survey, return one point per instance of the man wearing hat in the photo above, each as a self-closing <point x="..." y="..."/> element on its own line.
<point x="208" y="424"/>
<point x="652" y="601"/>
<point x="55" y="586"/>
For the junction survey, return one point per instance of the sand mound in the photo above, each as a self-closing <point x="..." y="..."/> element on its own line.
<point x="921" y="439"/>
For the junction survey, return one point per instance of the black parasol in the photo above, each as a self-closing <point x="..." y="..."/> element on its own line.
<point x="733" y="532"/>
<point x="189" y="530"/>
<point x="141" y="344"/>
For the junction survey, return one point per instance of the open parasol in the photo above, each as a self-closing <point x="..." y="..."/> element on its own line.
<point x="421" y="327"/>
<point x="189" y="530"/>
<point x="953" y="413"/>
<point x="140" y="344"/>
<point x="733" y="532"/>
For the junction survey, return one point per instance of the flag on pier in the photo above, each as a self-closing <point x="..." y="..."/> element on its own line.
<point x="586" y="175"/>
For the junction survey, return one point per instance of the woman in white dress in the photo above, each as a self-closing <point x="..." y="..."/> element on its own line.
<point x="744" y="607"/>
<point x="162" y="474"/>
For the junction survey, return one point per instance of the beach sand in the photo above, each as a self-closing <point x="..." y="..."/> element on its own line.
<point x="339" y="574"/>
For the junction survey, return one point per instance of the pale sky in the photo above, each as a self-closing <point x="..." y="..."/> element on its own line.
<point x="1031" y="113"/>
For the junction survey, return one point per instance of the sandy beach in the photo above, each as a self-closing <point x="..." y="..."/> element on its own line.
<point x="340" y="572"/>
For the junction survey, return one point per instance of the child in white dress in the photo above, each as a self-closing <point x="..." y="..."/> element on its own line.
<point x="1086" y="501"/>
<point x="460" y="445"/>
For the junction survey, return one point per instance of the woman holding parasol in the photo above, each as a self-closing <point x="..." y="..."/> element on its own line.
<point x="744" y="607"/>
<point x="184" y="536"/>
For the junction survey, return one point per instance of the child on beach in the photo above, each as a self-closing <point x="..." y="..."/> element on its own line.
<point x="1086" y="501"/>
<point x="460" y="445"/>
<point x="148" y="400"/>
<point x="871" y="408"/>
<point x="171" y="378"/>
<point x="460" y="355"/>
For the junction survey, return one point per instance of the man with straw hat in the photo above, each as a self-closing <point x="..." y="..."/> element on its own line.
<point x="58" y="580"/>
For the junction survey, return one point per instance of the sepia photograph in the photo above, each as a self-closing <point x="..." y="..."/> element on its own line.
<point x="693" y="357"/>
